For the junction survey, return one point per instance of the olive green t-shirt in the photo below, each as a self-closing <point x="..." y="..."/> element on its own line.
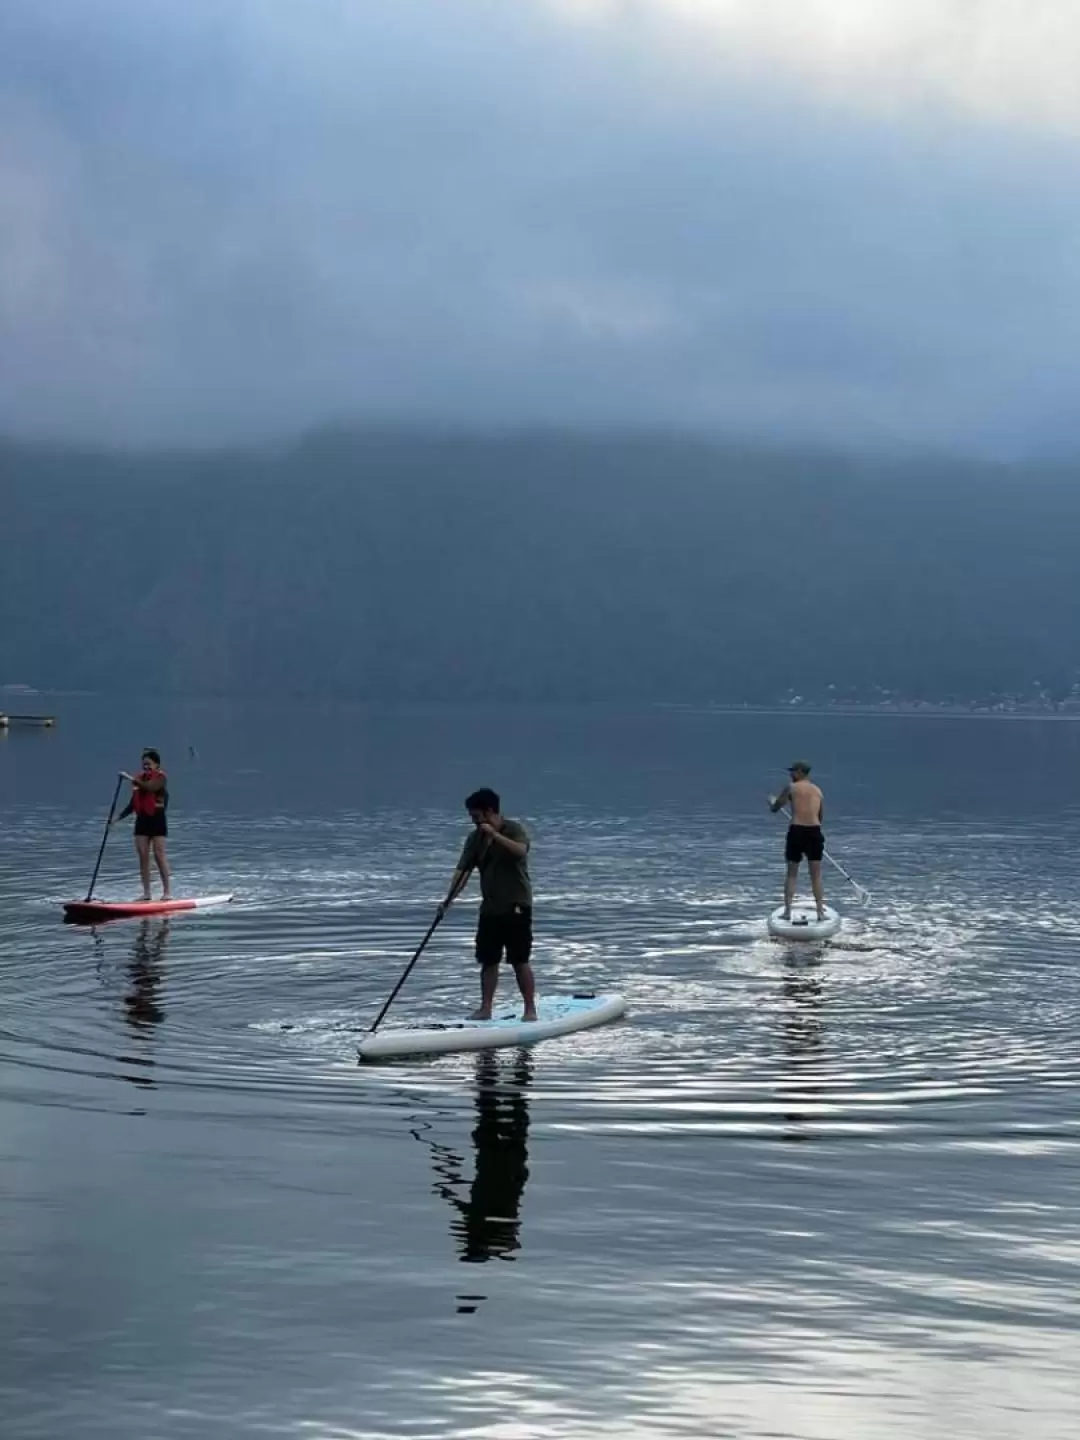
<point x="504" y="878"/>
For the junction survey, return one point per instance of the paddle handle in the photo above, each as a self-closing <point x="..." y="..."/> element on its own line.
<point x="105" y="837"/>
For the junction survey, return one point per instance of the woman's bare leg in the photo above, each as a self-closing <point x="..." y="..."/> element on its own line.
<point x="162" y="858"/>
<point x="142" y="849"/>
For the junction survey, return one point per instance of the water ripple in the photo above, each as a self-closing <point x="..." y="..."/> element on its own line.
<point x="789" y="1167"/>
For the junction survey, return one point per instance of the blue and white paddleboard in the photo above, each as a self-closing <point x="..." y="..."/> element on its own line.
<point x="804" y="923"/>
<point x="557" y="1015"/>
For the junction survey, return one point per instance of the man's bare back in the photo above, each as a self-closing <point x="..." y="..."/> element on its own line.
<point x="807" y="802"/>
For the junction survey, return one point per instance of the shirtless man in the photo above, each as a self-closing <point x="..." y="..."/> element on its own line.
<point x="804" y="838"/>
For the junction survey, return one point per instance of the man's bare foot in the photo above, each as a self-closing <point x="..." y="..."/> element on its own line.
<point x="480" y="1014"/>
<point x="528" y="1015"/>
<point x="821" y="917"/>
<point x="166" y="896"/>
<point x="786" y="916"/>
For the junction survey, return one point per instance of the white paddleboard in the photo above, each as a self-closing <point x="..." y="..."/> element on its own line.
<point x="804" y="924"/>
<point x="558" y="1015"/>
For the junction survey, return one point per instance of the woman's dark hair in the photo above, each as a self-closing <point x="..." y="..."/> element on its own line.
<point x="482" y="800"/>
<point x="152" y="755"/>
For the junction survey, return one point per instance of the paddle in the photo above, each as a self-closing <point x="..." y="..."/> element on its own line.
<point x="439" y="914"/>
<point x="105" y="837"/>
<point x="860" y="890"/>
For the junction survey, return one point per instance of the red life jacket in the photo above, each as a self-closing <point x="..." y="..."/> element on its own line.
<point x="150" y="802"/>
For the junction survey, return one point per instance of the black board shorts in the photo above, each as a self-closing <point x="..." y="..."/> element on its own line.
<point x="509" y="934"/>
<point x="152" y="826"/>
<point x="804" y="842"/>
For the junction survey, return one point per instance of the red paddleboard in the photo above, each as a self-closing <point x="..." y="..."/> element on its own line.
<point x="87" y="912"/>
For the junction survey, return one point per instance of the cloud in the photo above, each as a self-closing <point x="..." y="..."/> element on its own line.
<point x="223" y="222"/>
<point x="1011" y="61"/>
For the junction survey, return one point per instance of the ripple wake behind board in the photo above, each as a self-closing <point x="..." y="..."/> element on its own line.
<point x="804" y="924"/>
<point x="557" y="1015"/>
<point x="93" y="912"/>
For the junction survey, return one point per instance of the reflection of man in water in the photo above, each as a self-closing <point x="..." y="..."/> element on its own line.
<point x="804" y="1035"/>
<point x="488" y="1223"/>
<point x="802" y="1021"/>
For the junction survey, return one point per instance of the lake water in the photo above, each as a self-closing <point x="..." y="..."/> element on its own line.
<point x="797" y="1195"/>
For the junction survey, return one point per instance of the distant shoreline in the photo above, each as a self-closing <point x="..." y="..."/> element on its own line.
<point x="916" y="710"/>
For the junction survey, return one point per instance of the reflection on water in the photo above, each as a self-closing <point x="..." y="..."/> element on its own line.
<point x="487" y="1210"/>
<point x="803" y="1030"/>
<point x="262" y="1248"/>
<point x="143" y="977"/>
<point x="142" y="1001"/>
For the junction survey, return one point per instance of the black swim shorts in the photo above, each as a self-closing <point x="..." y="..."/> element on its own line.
<point x="509" y="934"/>
<point x="804" y="842"/>
<point x="152" y="826"/>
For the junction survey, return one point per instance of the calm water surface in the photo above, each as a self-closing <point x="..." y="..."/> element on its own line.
<point x="798" y="1195"/>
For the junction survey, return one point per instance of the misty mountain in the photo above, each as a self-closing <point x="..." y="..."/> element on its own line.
<point x="538" y="566"/>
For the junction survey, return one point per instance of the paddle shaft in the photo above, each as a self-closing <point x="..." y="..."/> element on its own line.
<point x="836" y="864"/>
<point x="439" y="914"/>
<point x="105" y="837"/>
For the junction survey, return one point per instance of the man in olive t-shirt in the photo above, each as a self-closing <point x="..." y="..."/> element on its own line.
<point x="499" y="849"/>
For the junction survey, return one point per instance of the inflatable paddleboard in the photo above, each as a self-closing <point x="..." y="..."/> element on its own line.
<point x="558" y="1015"/>
<point x="87" y="912"/>
<point x="804" y="924"/>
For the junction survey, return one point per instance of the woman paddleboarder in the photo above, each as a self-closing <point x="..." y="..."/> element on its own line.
<point x="149" y="802"/>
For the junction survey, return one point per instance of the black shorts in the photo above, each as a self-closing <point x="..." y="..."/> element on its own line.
<point x="804" y="842"/>
<point x="510" y="934"/>
<point x="152" y="826"/>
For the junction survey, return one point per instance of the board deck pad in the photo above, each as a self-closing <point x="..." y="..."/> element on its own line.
<point x="556" y="1015"/>
<point x="86" y="912"/>
<point x="804" y="924"/>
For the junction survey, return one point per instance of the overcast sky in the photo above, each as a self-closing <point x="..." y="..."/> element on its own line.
<point x="832" y="219"/>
